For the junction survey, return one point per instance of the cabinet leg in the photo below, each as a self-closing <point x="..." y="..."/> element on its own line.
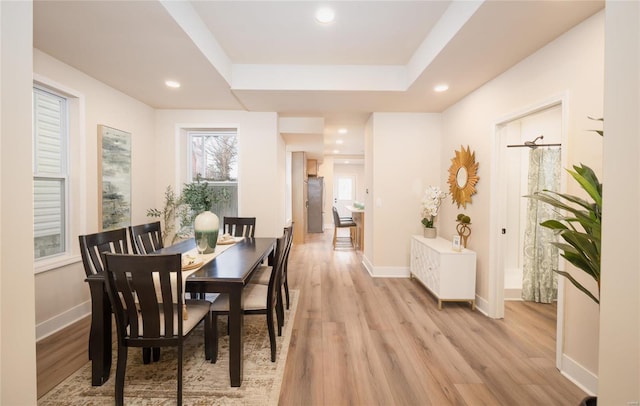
<point x="473" y="305"/>
<point x="439" y="304"/>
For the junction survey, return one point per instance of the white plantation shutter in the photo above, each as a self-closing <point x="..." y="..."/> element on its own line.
<point x="50" y="172"/>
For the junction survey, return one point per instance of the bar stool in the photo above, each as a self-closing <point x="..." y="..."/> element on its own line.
<point x="342" y="223"/>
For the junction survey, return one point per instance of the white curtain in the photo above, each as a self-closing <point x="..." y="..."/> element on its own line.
<point x="540" y="283"/>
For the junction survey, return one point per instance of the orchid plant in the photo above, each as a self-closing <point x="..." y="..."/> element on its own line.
<point x="431" y="201"/>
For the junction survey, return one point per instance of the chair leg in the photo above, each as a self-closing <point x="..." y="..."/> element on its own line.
<point x="272" y="335"/>
<point x="335" y="235"/>
<point x="214" y="333"/>
<point x="180" y="372"/>
<point x="286" y="291"/>
<point x="279" y="311"/>
<point x="155" y="354"/>
<point x="120" y="370"/>
<point x="146" y="355"/>
<point x="207" y="337"/>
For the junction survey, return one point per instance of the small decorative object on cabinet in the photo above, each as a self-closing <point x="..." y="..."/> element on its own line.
<point x="206" y="227"/>
<point x="430" y="204"/>
<point x="449" y="275"/>
<point x="463" y="229"/>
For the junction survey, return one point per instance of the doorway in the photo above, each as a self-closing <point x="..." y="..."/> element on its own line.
<point x="512" y="217"/>
<point x="344" y="192"/>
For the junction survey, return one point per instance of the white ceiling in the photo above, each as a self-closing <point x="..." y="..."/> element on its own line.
<point x="273" y="56"/>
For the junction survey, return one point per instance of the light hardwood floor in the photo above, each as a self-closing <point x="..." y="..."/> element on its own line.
<point x="364" y="341"/>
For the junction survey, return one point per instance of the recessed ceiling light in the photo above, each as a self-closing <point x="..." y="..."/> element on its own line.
<point x="339" y="141"/>
<point x="342" y="131"/>
<point x="172" y="83"/>
<point x="336" y="151"/>
<point x="325" y="15"/>
<point x="441" y="87"/>
<point x="346" y="162"/>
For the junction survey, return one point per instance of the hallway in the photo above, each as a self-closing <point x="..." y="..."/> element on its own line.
<point x="364" y="341"/>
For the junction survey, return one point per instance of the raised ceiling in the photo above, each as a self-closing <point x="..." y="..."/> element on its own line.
<point x="272" y="55"/>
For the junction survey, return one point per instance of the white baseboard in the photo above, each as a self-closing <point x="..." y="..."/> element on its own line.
<point x="513" y="294"/>
<point x="54" y="324"/>
<point x="579" y="375"/>
<point x="384" y="271"/>
<point x="482" y="305"/>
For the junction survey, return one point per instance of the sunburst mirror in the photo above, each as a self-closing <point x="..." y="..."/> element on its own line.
<point x="463" y="176"/>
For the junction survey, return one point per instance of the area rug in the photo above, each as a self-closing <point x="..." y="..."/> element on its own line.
<point x="204" y="383"/>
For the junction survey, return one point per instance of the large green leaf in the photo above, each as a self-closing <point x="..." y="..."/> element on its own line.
<point x="578" y="285"/>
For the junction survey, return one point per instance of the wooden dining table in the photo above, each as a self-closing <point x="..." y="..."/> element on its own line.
<point x="229" y="272"/>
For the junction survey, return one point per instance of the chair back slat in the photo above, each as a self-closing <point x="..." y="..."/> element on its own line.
<point x="141" y="290"/>
<point x="239" y="226"/>
<point x="146" y="238"/>
<point x="92" y="246"/>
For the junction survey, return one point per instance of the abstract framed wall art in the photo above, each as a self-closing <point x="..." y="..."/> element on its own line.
<point x="114" y="178"/>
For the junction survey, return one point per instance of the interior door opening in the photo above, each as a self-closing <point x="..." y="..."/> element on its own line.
<point x="515" y="253"/>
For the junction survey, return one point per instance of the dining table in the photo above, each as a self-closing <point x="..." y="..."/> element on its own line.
<point x="229" y="272"/>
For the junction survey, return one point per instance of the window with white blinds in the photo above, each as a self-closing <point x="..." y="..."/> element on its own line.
<point x="213" y="158"/>
<point x="50" y="177"/>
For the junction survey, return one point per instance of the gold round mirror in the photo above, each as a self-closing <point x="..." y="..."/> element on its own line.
<point x="463" y="176"/>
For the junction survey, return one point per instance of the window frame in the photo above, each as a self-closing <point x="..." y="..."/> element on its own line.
<point x="77" y="170"/>
<point x="62" y="177"/>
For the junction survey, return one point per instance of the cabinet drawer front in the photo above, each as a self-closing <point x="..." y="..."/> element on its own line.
<point x="425" y="265"/>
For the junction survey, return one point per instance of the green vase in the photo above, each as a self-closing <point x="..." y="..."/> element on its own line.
<point x="206" y="227"/>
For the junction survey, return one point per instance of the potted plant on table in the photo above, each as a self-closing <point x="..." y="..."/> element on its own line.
<point x="431" y="201"/>
<point x="196" y="198"/>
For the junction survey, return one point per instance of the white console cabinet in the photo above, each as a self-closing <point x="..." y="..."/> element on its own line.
<point x="450" y="275"/>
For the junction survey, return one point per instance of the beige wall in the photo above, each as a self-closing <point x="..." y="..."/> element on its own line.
<point x="261" y="165"/>
<point x="17" y="336"/>
<point x="406" y="159"/>
<point x="619" y="371"/>
<point x="573" y="64"/>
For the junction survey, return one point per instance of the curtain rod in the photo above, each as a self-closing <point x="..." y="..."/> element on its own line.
<point x="534" y="146"/>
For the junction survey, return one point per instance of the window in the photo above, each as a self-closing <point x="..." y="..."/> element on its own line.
<point x="50" y="177"/>
<point x="345" y="188"/>
<point x="214" y="159"/>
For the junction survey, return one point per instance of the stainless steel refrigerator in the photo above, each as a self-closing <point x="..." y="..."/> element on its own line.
<point x="315" y="203"/>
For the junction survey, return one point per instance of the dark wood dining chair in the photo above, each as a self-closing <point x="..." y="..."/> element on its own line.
<point x="146" y="238"/>
<point x="239" y="226"/>
<point x="149" y="310"/>
<point x="262" y="276"/>
<point x="257" y="299"/>
<point x="91" y="248"/>
<point x="339" y="222"/>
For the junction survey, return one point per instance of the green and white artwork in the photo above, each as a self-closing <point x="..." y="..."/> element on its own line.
<point x="114" y="165"/>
